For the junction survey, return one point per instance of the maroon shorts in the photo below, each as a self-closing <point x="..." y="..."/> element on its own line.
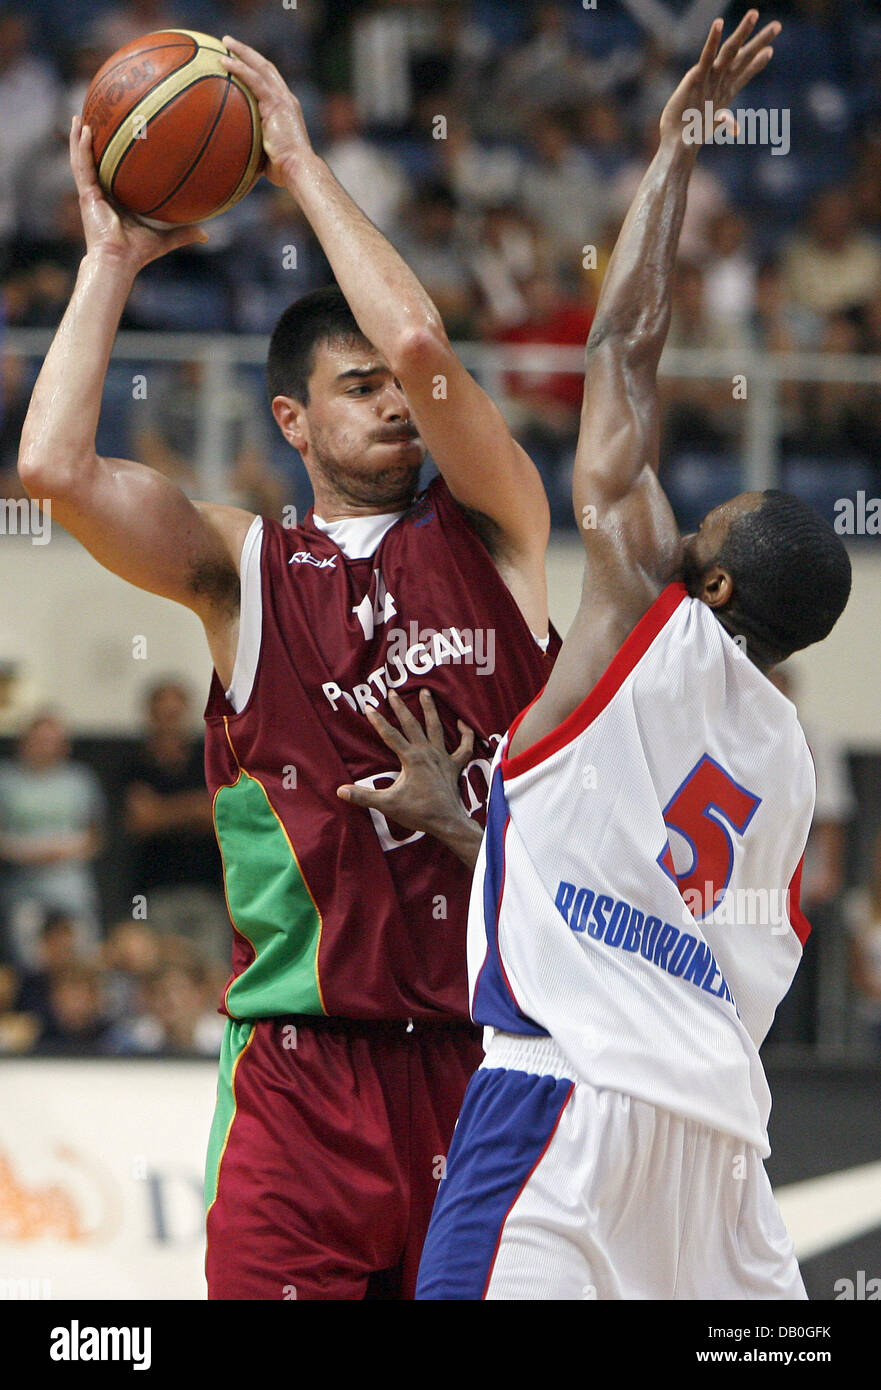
<point x="328" y="1143"/>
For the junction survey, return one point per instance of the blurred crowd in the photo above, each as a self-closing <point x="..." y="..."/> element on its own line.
<point x="498" y="146"/>
<point x="114" y="934"/>
<point x="74" y="981"/>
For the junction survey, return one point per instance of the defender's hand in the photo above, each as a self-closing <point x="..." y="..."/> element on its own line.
<point x="719" y="73"/>
<point x="285" y="137"/>
<point x="425" y="795"/>
<point x="106" y="230"/>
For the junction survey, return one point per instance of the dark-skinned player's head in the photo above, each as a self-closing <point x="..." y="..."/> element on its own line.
<point x="336" y="400"/>
<point x="773" y="571"/>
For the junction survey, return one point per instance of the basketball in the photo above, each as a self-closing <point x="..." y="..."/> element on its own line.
<point x="176" y="138"/>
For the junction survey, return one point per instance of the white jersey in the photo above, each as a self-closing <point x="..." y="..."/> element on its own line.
<point x="636" y="894"/>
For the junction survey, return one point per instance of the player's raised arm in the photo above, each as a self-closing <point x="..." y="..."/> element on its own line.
<point x="630" y="534"/>
<point x="463" y="429"/>
<point x="133" y="519"/>
<point x="618" y="503"/>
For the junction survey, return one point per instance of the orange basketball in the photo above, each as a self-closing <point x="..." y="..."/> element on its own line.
<point x="176" y="138"/>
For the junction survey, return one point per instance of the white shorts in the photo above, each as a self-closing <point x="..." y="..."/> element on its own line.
<point x="557" y="1190"/>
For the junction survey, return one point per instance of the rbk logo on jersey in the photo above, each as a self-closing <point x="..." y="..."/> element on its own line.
<point x="302" y="557"/>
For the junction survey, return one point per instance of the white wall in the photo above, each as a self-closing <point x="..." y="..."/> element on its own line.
<point x="73" y="626"/>
<point x="101" y="1170"/>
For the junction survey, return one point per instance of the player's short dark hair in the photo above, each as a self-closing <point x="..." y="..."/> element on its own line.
<point x="791" y="574"/>
<point x="322" y="316"/>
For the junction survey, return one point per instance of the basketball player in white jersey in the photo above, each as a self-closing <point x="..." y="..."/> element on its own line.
<point x="634" y="917"/>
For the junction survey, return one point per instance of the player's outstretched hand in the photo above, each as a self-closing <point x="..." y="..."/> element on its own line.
<point x="425" y="795"/>
<point x="285" y="137"/>
<point x="719" y="74"/>
<point x="126" y="239"/>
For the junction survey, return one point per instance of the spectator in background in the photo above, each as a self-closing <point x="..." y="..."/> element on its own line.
<point x="122" y="24"/>
<point x="729" y="271"/>
<point x="691" y="323"/>
<point x="507" y="251"/>
<point x="28" y="101"/>
<point x="544" y="408"/>
<point x="867" y="178"/>
<point x="168" y="818"/>
<point x="276" y="259"/>
<point x="59" y="947"/>
<point x="430" y="247"/>
<point x="178" y="1016"/>
<point x="871" y="326"/>
<point x="602" y="131"/>
<point x="822" y="882"/>
<point x="131" y="954"/>
<point x="706" y="195"/>
<point x="15" y="388"/>
<point x="44" y="183"/>
<point x="776" y="324"/>
<point x="165" y="436"/>
<point x="481" y="176"/>
<point x="18" y="1030"/>
<point x="839" y="418"/>
<point x="368" y="173"/>
<point x="451" y="62"/>
<point x="550" y="69"/>
<point x="282" y="33"/>
<point x="46" y="250"/>
<point x="547" y="70"/>
<point x="77" y="1023"/>
<point x="380" y="64"/>
<point x="39" y="286"/>
<point x="834" y="265"/>
<point x="51" y="817"/>
<point x="698" y="413"/>
<point x="19" y="697"/>
<point x="563" y="190"/>
<point x="660" y="72"/>
<point x="863" y="914"/>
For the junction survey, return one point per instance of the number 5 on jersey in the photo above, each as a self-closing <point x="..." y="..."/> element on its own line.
<point x="705" y="810"/>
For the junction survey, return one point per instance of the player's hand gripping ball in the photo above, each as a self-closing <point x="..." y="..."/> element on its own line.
<point x="176" y="137"/>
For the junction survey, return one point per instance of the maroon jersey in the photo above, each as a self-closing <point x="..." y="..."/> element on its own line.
<point x="336" y="910"/>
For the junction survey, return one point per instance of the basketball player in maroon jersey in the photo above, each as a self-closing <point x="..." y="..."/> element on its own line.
<point x="348" y="1044"/>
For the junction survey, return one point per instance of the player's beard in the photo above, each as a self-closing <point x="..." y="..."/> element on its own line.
<point x="388" y="489"/>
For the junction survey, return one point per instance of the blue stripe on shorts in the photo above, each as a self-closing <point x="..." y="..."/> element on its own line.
<point x="507" y="1120"/>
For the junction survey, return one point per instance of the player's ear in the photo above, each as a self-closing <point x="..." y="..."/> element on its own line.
<point x="717" y="587"/>
<point x="291" y="419"/>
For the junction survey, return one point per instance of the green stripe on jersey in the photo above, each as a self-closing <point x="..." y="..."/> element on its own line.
<point x="235" y="1040"/>
<point x="269" y="904"/>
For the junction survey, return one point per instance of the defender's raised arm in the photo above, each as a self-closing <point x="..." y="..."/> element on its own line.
<point x="629" y="531"/>
<point x="619" y="420"/>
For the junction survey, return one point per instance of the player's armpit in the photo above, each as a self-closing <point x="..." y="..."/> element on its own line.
<point x="142" y="527"/>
